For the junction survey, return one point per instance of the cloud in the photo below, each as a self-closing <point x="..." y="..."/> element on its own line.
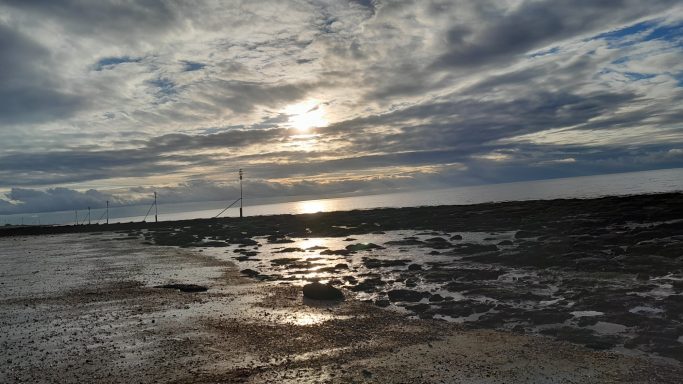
<point x="28" y="92"/>
<point x="32" y="201"/>
<point x="167" y="94"/>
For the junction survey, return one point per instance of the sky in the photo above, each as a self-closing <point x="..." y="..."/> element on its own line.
<point x="113" y="99"/>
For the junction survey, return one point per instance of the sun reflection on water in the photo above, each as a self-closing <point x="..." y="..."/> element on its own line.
<point x="313" y="206"/>
<point x="314" y="243"/>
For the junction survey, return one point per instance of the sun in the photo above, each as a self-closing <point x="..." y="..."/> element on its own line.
<point x="306" y="115"/>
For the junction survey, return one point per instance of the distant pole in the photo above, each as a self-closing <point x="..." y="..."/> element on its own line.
<point x="88" y="215"/>
<point x="75" y="217"/>
<point x="241" y="192"/>
<point x="107" y="211"/>
<point x="156" y="210"/>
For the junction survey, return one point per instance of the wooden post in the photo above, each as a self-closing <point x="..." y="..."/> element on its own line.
<point x="107" y="211"/>
<point x="156" y="210"/>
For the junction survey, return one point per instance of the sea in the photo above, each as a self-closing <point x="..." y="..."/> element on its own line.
<point x="667" y="180"/>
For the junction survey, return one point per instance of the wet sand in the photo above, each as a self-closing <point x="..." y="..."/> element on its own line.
<point x="86" y="307"/>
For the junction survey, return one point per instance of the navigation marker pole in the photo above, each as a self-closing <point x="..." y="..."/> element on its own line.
<point x="241" y="192"/>
<point x="75" y="217"/>
<point x="156" y="209"/>
<point x="88" y="215"/>
<point x="107" y="211"/>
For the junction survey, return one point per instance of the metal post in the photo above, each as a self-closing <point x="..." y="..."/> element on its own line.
<point x="156" y="210"/>
<point x="88" y="215"/>
<point x="241" y="192"/>
<point x="107" y="211"/>
<point x="75" y="217"/>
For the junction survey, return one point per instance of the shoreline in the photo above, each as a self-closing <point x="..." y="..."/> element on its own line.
<point x="384" y="213"/>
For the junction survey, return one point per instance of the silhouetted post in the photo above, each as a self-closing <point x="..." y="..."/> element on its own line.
<point x="107" y="211"/>
<point x="241" y="192"/>
<point x="75" y="217"/>
<point x="156" y="210"/>
<point x="88" y="215"/>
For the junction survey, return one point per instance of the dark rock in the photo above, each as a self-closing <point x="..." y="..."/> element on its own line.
<point x="362" y="247"/>
<point x="249" y="272"/>
<point x="456" y="237"/>
<point x="406" y="241"/>
<point x="382" y="303"/>
<point x="418" y="308"/>
<point x="277" y="239"/>
<point x="289" y="250"/>
<point x="244" y="241"/>
<point x="340" y="252"/>
<point x="377" y="263"/>
<point x="319" y="291"/>
<point x="414" y="267"/>
<point x="368" y="285"/>
<point x="406" y="295"/>
<point x="184" y="287"/>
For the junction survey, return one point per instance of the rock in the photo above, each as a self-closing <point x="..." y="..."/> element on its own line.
<point x="382" y="303"/>
<point x="418" y="308"/>
<point x="368" y="285"/>
<point x="290" y="250"/>
<point x="406" y="241"/>
<point x="406" y="295"/>
<point x="276" y="239"/>
<point x="341" y="252"/>
<point x="184" y="287"/>
<point x="436" y="298"/>
<point x="414" y="267"/>
<point x="377" y="263"/>
<point x="363" y="247"/>
<point x="249" y="272"/>
<point x="456" y="237"/>
<point x="320" y="291"/>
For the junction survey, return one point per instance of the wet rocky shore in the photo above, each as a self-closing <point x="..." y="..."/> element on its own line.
<point x="606" y="273"/>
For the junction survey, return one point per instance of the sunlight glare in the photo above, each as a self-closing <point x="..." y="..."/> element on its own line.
<point x="310" y="206"/>
<point x="306" y="115"/>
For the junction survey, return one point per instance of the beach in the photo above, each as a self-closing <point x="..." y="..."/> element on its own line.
<point x="573" y="290"/>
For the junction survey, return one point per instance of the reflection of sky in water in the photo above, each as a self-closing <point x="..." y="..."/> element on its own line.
<point x="300" y="267"/>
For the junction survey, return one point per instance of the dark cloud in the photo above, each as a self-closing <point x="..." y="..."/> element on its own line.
<point x="31" y="200"/>
<point x="106" y="19"/>
<point x="535" y="24"/>
<point x="29" y="91"/>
